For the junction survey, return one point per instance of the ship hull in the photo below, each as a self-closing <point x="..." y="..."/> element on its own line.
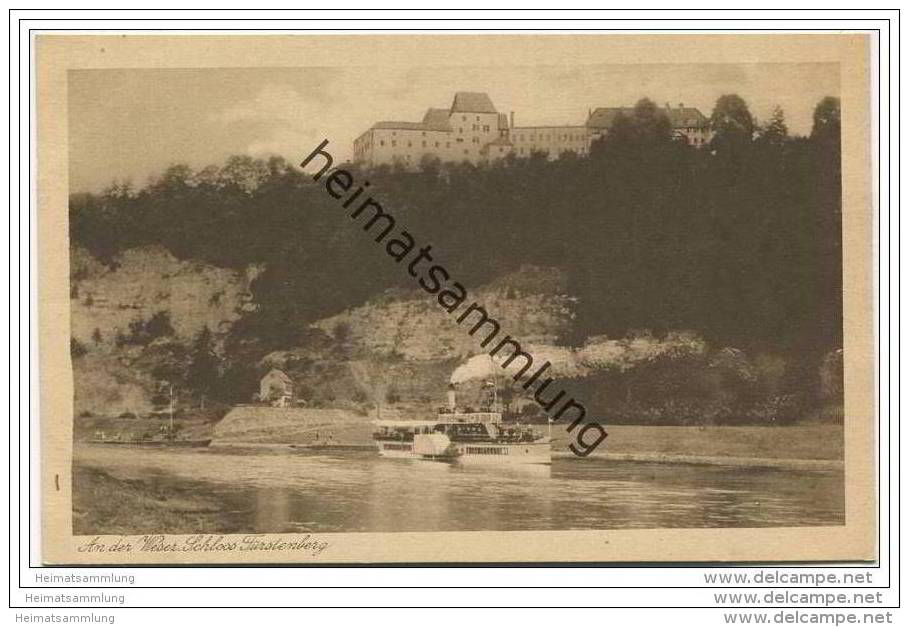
<point x="497" y="454"/>
<point x="474" y="453"/>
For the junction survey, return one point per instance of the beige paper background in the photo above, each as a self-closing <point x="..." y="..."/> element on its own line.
<point x="856" y="540"/>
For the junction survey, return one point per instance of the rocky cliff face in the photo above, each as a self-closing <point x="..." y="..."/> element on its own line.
<point x="394" y="353"/>
<point x="113" y="376"/>
<point x="401" y="348"/>
<point x="148" y="280"/>
<point x="530" y="305"/>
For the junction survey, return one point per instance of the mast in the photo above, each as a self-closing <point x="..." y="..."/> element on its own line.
<point x="171" y="408"/>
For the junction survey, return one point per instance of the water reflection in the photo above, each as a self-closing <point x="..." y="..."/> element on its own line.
<point x="273" y="491"/>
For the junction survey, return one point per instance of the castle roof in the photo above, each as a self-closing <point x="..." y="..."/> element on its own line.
<point x="436" y="120"/>
<point x="404" y="126"/>
<point x="433" y="120"/>
<point x="503" y="121"/>
<point x="472" y="102"/>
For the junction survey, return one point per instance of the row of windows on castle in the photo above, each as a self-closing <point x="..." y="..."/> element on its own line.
<point x="545" y="137"/>
<point x="423" y="143"/>
<point x="518" y="137"/>
<point x="497" y="151"/>
<point x="538" y="141"/>
<point x="491" y="150"/>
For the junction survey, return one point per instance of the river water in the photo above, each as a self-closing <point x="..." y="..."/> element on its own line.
<point x="286" y="490"/>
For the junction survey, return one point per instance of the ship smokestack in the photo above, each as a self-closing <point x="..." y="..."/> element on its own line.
<point x="452" y="397"/>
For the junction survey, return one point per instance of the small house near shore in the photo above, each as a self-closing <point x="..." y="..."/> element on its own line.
<point x="276" y="388"/>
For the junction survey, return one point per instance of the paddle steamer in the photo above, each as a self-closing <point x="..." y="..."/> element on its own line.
<point x="463" y="436"/>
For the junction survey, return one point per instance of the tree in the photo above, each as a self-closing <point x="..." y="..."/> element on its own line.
<point x="775" y="131"/>
<point x="175" y="179"/>
<point x="430" y="165"/>
<point x="731" y="120"/>
<point x="119" y="189"/>
<point x="238" y="382"/>
<point x="203" y="370"/>
<point x="826" y="127"/>
<point x="245" y="173"/>
<point x="646" y="124"/>
<point x="159" y="325"/>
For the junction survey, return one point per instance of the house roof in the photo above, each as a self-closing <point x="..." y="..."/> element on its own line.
<point x="603" y="117"/>
<point x="280" y="374"/>
<point x="472" y="102"/>
<point x="679" y="117"/>
<point x="686" y="116"/>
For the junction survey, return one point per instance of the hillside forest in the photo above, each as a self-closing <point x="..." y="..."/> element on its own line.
<point x="736" y="246"/>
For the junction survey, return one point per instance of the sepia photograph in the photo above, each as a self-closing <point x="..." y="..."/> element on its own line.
<point x="508" y="293"/>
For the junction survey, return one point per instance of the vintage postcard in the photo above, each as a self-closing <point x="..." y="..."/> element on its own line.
<point x="455" y="298"/>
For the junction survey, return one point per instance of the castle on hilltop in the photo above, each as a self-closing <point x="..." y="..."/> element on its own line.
<point x="472" y="130"/>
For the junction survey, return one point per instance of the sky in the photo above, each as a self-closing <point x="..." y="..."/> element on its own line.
<point x="130" y="124"/>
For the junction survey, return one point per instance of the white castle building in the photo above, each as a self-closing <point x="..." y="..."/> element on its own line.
<point x="472" y="130"/>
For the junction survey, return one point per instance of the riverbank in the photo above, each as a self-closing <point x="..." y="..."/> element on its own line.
<point x="109" y="505"/>
<point x="89" y="428"/>
<point x="799" y="446"/>
<point x="805" y="446"/>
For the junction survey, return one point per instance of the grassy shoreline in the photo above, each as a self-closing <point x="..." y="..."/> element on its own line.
<point x="104" y="504"/>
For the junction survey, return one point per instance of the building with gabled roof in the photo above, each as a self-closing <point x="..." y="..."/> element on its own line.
<point x="472" y="102"/>
<point x="276" y="388"/>
<point x="462" y="132"/>
<point x="687" y="122"/>
<point x="472" y="130"/>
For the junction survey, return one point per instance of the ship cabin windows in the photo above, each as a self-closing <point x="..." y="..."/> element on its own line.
<point x="485" y="450"/>
<point x="466" y="431"/>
